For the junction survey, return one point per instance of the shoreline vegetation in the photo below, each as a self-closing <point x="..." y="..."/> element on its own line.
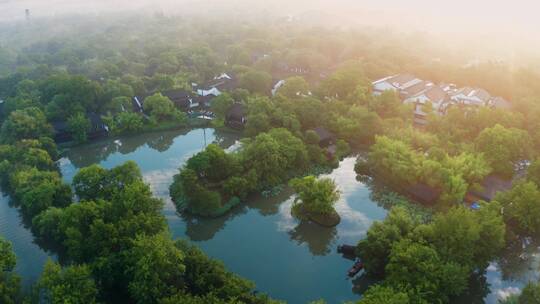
<point x="114" y="243"/>
<point x="225" y="188"/>
<point x="114" y="202"/>
<point x="315" y="199"/>
<point x="329" y="220"/>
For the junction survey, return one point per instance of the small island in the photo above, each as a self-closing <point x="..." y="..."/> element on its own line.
<point x="315" y="200"/>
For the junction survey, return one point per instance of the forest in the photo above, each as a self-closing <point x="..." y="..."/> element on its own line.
<point x="106" y="227"/>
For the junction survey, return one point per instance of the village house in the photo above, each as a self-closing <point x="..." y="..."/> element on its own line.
<point x="181" y="98"/>
<point x="413" y="90"/>
<point x="137" y="103"/>
<point x="327" y="141"/>
<point x="277" y="85"/>
<point x="500" y="103"/>
<point x="489" y="187"/>
<point x="395" y="83"/>
<point x="471" y="97"/>
<point x="98" y="129"/>
<point x="433" y="95"/>
<point x="222" y="83"/>
<point x="236" y="116"/>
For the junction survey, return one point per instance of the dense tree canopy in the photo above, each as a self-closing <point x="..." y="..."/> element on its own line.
<point x="29" y="123"/>
<point x="503" y="147"/>
<point x="10" y="284"/>
<point x="73" y="284"/>
<point x="317" y="196"/>
<point x="114" y="234"/>
<point x="522" y="208"/>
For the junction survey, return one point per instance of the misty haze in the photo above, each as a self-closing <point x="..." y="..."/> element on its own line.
<point x="265" y="152"/>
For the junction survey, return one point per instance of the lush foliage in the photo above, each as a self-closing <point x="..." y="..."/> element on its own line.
<point x="503" y="147"/>
<point x="73" y="284"/>
<point x="10" y="284"/>
<point x="399" y="163"/>
<point x="432" y="261"/>
<point x="314" y="195"/>
<point x="212" y="178"/>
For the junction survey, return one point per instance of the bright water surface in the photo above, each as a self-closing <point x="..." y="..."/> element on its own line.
<point x="289" y="260"/>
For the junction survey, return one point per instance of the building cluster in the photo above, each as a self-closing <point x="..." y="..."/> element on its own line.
<point x="198" y="98"/>
<point x="195" y="102"/>
<point x="441" y="97"/>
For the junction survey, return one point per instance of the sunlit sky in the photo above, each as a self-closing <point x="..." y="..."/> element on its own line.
<point x="499" y="19"/>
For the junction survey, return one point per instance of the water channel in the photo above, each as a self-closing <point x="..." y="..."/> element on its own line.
<point x="259" y="240"/>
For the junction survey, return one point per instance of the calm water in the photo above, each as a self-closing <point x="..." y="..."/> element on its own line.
<point x="261" y="241"/>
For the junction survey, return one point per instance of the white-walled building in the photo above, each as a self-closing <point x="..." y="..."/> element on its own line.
<point x="396" y="83"/>
<point x="413" y="90"/>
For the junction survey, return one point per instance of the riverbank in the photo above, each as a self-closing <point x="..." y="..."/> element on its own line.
<point x="260" y="229"/>
<point x="326" y="220"/>
<point x="192" y="123"/>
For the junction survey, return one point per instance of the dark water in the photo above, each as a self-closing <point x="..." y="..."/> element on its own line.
<point x="260" y="240"/>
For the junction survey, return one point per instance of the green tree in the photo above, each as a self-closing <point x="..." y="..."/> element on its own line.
<point x="213" y="164"/>
<point x="79" y="126"/>
<point x="257" y="123"/>
<point x="530" y="294"/>
<point x="73" y="284"/>
<point x="533" y="172"/>
<point x="221" y="104"/>
<point x="418" y="268"/>
<point x="187" y="191"/>
<point x="10" y="284"/>
<point x="344" y="82"/>
<point x="294" y="87"/>
<point x="358" y="126"/>
<point x="37" y="190"/>
<point x="156" y="268"/>
<point x="127" y="123"/>
<point x="29" y="123"/>
<point x="257" y="82"/>
<point x="386" y="104"/>
<point x="65" y="94"/>
<point x="160" y="107"/>
<point x="316" y="195"/>
<point x="503" y="147"/>
<point x="469" y="238"/>
<point x="311" y="137"/>
<point x="522" y="208"/>
<point x="204" y="276"/>
<point x="89" y="182"/>
<point x="378" y="294"/>
<point x="375" y="249"/>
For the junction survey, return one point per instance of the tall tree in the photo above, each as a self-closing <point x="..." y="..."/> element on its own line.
<point x="73" y="284"/>
<point x="29" y="123"/>
<point x="503" y="147"/>
<point x="10" y="284"/>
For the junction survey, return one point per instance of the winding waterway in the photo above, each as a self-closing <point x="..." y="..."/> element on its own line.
<point x="260" y="240"/>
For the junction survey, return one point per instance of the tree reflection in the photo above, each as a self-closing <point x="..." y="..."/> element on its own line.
<point x="319" y="239"/>
<point x="162" y="141"/>
<point x="96" y="152"/>
<point x="518" y="260"/>
<point x="204" y="229"/>
<point x="478" y="290"/>
<point x="361" y="283"/>
<point x="268" y="205"/>
<point x="226" y="139"/>
<point x="86" y="155"/>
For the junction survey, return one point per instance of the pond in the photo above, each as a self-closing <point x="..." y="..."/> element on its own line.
<point x="259" y="240"/>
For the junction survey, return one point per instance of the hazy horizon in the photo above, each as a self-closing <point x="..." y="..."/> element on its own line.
<point x="492" y="25"/>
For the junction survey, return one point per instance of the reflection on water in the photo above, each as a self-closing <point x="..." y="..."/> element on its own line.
<point x="30" y="257"/>
<point x="320" y="240"/>
<point x="260" y="240"/>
